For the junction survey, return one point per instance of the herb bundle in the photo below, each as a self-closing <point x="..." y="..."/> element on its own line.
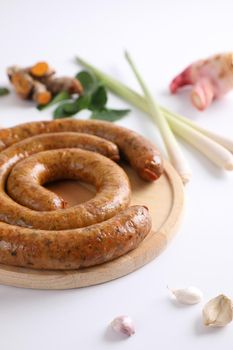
<point x="93" y="98"/>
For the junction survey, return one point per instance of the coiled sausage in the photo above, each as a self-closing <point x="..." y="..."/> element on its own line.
<point x="36" y="230"/>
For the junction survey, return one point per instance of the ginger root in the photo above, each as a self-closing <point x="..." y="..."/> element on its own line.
<point x="211" y="79"/>
<point x="38" y="83"/>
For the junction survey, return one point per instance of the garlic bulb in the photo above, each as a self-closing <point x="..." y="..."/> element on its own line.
<point x="218" y="311"/>
<point x="123" y="324"/>
<point x="189" y="295"/>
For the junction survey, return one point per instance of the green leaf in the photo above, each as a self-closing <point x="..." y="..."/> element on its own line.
<point x="4" y="91"/>
<point x="83" y="102"/>
<point x="110" y="115"/>
<point x="68" y="109"/>
<point x="94" y="98"/>
<point x="87" y="80"/>
<point x="80" y="103"/>
<point x="61" y="96"/>
<point x="60" y="113"/>
<point x="99" y="98"/>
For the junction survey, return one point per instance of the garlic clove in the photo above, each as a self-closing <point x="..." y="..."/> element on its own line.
<point x="218" y="312"/>
<point x="190" y="295"/>
<point x="123" y="324"/>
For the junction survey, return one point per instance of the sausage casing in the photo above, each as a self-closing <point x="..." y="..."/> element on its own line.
<point x="72" y="249"/>
<point x="36" y="230"/>
<point x="141" y="153"/>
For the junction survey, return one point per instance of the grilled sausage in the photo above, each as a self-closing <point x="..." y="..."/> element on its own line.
<point x="111" y="182"/>
<point x="72" y="249"/>
<point x="33" y="233"/>
<point x="141" y="154"/>
<point x="32" y="198"/>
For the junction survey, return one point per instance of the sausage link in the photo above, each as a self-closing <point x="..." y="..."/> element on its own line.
<point x="141" y="154"/>
<point x="16" y="181"/>
<point x="111" y="182"/>
<point x="73" y="249"/>
<point x="32" y="232"/>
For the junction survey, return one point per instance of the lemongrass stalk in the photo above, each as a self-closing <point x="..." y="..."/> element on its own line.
<point x="115" y="85"/>
<point x="222" y="140"/>
<point x="222" y="158"/>
<point x="215" y="152"/>
<point x="215" y="147"/>
<point x="173" y="149"/>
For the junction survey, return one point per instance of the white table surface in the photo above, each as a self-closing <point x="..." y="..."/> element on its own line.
<point x="163" y="37"/>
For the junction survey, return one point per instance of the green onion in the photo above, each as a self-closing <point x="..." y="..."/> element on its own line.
<point x="214" y="146"/>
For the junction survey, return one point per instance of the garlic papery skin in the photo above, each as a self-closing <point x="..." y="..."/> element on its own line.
<point x="218" y="312"/>
<point x="123" y="324"/>
<point x="190" y="295"/>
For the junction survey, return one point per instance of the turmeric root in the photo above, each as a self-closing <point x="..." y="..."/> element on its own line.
<point x="38" y="83"/>
<point x="55" y="85"/>
<point x="41" y="95"/>
<point x="26" y="87"/>
<point x="11" y="70"/>
<point x="21" y="80"/>
<point x="211" y="79"/>
<point x="41" y="69"/>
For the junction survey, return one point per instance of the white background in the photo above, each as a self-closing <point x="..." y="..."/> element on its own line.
<point x="163" y="37"/>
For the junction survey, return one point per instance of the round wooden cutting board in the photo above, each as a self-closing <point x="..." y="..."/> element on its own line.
<point x="165" y="200"/>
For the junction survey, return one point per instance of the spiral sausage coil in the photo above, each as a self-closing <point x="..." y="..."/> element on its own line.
<point x="37" y="229"/>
